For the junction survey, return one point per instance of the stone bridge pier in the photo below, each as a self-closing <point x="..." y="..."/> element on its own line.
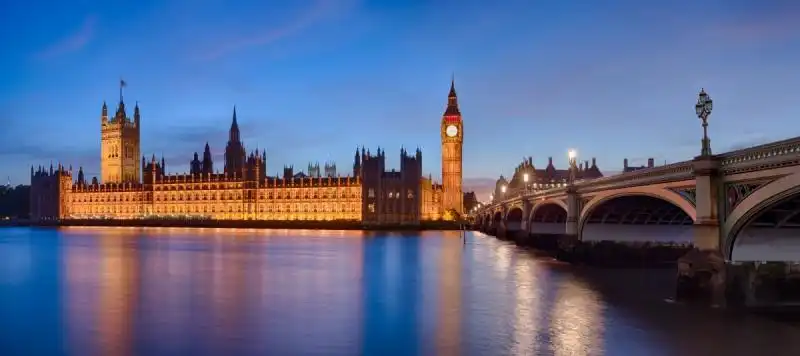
<point x="702" y="271"/>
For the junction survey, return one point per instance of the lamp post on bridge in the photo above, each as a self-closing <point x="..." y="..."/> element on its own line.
<point x="525" y="178"/>
<point x="572" y="155"/>
<point x="703" y="111"/>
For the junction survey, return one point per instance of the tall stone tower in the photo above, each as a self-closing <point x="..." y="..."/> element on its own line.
<point x="452" y="142"/>
<point x="234" y="151"/>
<point x="120" y="145"/>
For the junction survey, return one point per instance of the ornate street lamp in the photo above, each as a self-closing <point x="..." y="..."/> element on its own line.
<point x="703" y="111"/>
<point x="525" y="178"/>
<point x="572" y="155"/>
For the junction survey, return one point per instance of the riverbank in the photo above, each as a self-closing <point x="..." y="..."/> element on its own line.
<point x="604" y="253"/>
<point x="246" y="224"/>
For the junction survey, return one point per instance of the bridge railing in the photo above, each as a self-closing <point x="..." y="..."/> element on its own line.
<point x="668" y="170"/>
<point x="746" y="156"/>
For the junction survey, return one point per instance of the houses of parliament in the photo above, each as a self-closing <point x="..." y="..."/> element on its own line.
<point x="132" y="186"/>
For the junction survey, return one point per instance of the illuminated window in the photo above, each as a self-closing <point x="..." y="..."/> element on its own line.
<point x="391" y="194"/>
<point x="410" y="194"/>
<point x="371" y="193"/>
<point x="371" y="208"/>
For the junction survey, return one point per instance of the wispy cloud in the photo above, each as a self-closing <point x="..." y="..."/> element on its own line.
<point x="73" y="42"/>
<point x="318" y="11"/>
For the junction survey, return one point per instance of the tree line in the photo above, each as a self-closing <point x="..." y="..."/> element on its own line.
<point x="15" y="201"/>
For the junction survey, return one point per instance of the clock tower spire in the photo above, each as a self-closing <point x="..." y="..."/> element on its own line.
<point x="452" y="142"/>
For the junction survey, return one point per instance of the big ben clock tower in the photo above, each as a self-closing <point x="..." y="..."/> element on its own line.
<point x="452" y="132"/>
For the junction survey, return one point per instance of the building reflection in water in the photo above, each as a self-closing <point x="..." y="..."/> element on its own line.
<point x="528" y="306"/>
<point x="211" y="291"/>
<point x="503" y="255"/>
<point x="448" y="331"/>
<point x="102" y="284"/>
<point x="225" y="268"/>
<point x="391" y="296"/>
<point x="577" y="324"/>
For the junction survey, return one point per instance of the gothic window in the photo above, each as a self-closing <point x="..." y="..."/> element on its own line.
<point x="371" y="208"/>
<point x="371" y="193"/>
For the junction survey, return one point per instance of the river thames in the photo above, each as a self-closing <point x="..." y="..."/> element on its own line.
<point x="158" y="291"/>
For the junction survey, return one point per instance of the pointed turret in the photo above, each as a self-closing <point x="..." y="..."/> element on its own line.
<point x="136" y="114"/>
<point x="233" y="135"/>
<point x="452" y="100"/>
<point x="235" y="155"/>
<point x="104" y="113"/>
<point x="208" y="163"/>
<point x="81" y="178"/>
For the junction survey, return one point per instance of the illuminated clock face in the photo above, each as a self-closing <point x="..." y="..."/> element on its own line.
<point x="451" y="131"/>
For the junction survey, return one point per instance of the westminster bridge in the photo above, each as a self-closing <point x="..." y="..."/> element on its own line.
<point x="730" y="220"/>
<point x="735" y="208"/>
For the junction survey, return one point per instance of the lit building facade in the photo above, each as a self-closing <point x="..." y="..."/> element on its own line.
<point x="529" y="178"/>
<point x="243" y="191"/>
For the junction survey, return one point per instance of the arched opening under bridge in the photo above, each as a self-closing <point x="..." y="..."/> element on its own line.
<point x="636" y="218"/>
<point x="514" y="220"/>
<point x="548" y="218"/>
<point x="497" y="220"/>
<point x="771" y="232"/>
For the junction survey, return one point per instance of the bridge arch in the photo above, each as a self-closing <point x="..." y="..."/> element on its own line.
<point x="486" y="221"/>
<point x="761" y="226"/>
<point x="548" y="217"/>
<point x="514" y="217"/>
<point x="497" y="219"/>
<point x="651" y="214"/>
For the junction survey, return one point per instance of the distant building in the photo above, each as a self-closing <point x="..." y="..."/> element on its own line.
<point x="651" y="162"/>
<point x="315" y="172"/>
<point x="541" y="179"/>
<point x="470" y="201"/>
<point x="243" y="190"/>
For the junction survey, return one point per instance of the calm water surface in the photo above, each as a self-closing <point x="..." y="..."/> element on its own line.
<point x="128" y="291"/>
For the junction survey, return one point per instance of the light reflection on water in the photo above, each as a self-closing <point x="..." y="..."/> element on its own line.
<point x="129" y="291"/>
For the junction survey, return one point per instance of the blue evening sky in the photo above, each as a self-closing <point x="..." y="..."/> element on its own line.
<point x="312" y="79"/>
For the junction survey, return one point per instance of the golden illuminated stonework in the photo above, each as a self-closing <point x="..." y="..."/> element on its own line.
<point x="130" y="190"/>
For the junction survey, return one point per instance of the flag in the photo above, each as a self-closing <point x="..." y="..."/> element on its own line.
<point x="122" y="83"/>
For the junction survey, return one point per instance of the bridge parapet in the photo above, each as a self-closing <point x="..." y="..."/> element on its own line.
<point x="770" y="155"/>
<point x="667" y="173"/>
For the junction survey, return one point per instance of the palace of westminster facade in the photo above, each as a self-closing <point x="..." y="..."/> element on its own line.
<point x="134" y="187"/>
